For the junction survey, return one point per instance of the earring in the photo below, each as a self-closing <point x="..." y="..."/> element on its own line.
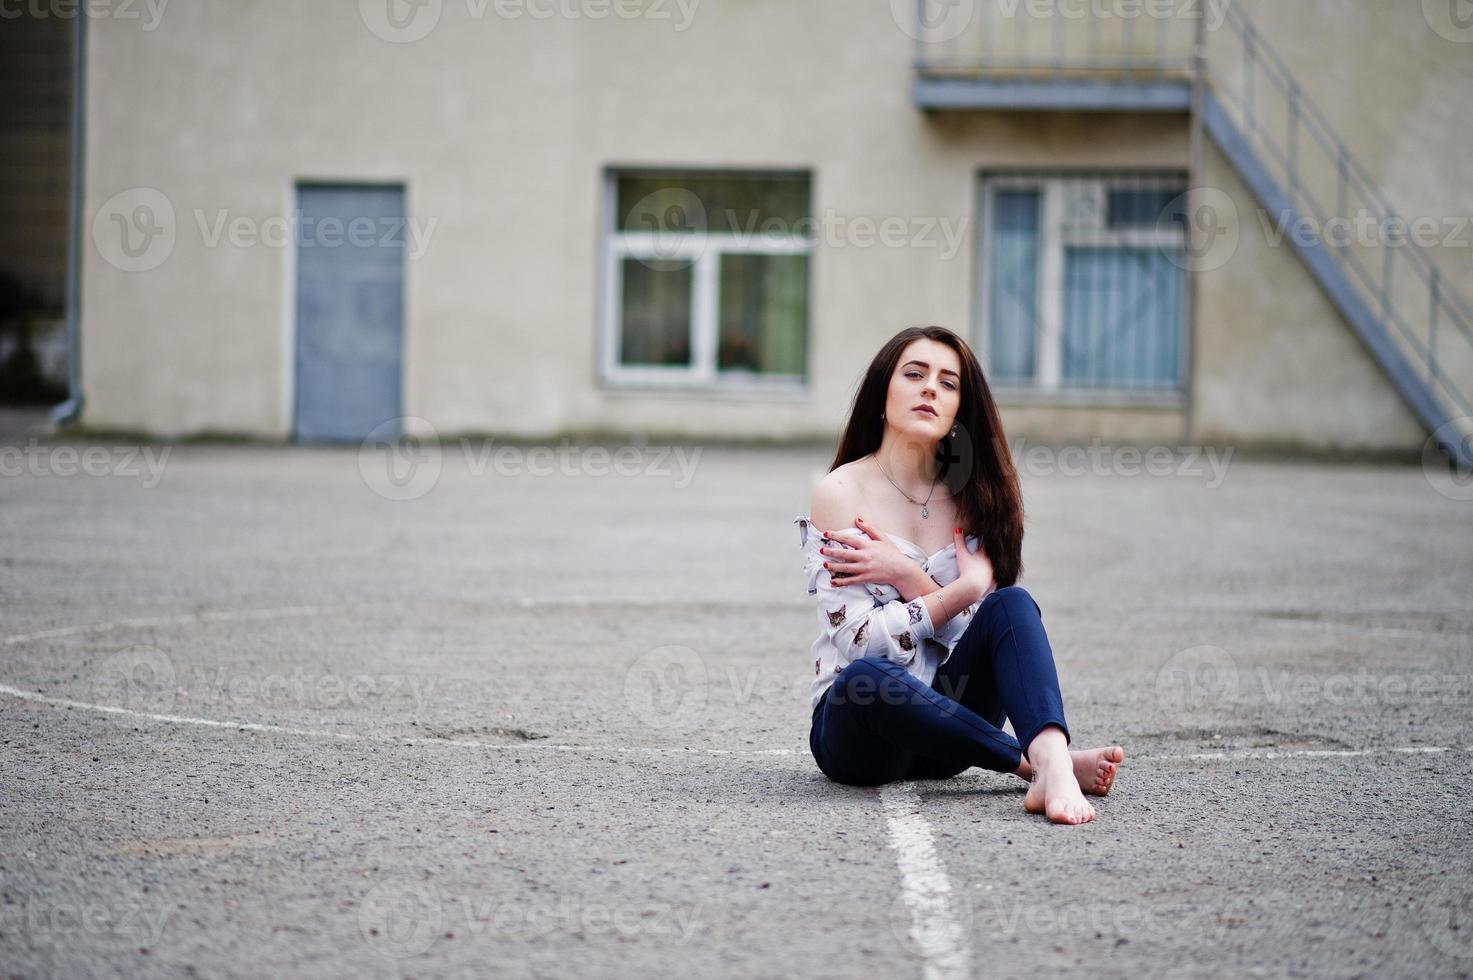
<point x="882" y="416"/>
<point x="953" y="432"/>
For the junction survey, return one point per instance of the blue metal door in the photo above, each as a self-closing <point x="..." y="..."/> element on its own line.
<point x="350" y="310"/>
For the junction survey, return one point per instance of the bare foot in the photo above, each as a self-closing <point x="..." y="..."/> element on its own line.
<point x="1054" y="791"/>
<point x="1095" y="768"/>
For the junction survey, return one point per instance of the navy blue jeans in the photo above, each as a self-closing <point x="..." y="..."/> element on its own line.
<point x="878" y="723"/>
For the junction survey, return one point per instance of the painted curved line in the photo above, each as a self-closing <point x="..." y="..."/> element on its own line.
<point x="321" y="733"/>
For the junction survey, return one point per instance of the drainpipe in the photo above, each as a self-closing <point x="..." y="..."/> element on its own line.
<point x="71" y="409"/>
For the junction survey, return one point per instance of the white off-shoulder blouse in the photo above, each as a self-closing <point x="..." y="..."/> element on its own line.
<point x="872" y="620"/>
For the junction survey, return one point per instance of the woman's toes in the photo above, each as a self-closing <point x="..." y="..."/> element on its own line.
<point x="1099" y="782"/>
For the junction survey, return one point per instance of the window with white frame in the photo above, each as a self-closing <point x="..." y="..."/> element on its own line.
<point x="705" y="278"/>
<point x="1084" y="282"/>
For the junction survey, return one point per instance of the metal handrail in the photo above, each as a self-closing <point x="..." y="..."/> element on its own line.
<point x="1329" y="141"/>
<point x="1266" y="75"/>
<point x="1260" y="60"/>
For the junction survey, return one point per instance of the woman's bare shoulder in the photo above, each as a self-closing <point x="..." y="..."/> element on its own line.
<point x="836" y="496"/>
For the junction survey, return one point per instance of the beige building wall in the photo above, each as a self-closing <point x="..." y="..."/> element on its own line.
<point x="501" y="127"/>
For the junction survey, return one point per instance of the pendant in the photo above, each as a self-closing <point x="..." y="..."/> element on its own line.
<point x="925" y="513"/>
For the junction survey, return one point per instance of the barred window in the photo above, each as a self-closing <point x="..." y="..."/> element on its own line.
<point x="1084" y="282"/>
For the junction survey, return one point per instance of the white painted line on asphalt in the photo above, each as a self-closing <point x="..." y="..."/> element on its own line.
<point x="940" y="937"/>
<point x="251" y="726"/>
<point x="1311" y="753"/>
<point x="185" y="619"/>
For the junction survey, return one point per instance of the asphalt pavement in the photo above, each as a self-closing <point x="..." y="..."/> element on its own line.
<point x="527" y="711"/>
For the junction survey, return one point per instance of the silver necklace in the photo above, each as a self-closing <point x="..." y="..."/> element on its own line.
<point x="925" y="513"/>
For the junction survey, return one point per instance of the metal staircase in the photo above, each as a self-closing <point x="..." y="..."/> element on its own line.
<point x="1314" y="192"/>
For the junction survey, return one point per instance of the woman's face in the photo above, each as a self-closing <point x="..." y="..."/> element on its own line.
<point x="928" y="376"/>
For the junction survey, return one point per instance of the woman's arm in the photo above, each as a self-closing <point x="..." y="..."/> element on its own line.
<point x="857" y="623"/>
<point x="945" y="601"/>
<point x="834" y="505"/>
<point x="915" y="583"/>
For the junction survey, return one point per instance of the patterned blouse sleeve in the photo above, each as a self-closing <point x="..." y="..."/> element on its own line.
<point x="854" y="619"/>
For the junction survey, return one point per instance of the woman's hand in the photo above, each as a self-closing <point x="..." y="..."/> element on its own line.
<point x="870" y="558"/>
<point x="973" y="566"/>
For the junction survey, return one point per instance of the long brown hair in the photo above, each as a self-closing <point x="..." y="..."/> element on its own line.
<point x="976" y="465"/>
